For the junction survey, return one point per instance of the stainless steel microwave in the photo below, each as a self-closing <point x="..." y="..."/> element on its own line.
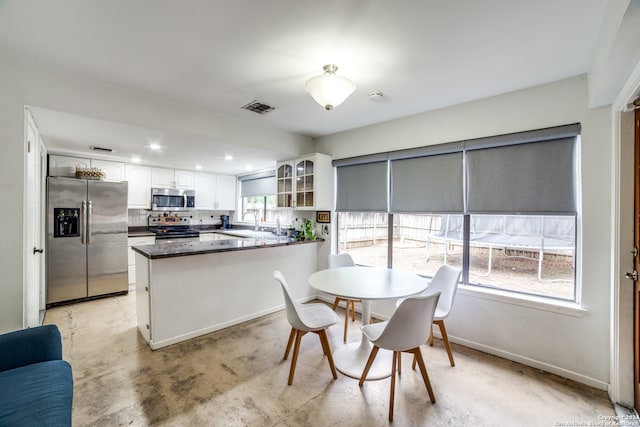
<point x="172" y="199"/>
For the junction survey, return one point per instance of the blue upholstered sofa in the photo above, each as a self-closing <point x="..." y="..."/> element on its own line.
<point x="36" y="385"/>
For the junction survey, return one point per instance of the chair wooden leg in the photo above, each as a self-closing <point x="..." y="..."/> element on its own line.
<point x="346" y="320"/>
<point x="423" y="370"/>
<point x="353" y="311"/>
<point x="326" y="347"/>
<point x="335" y="303"/>
<point x="294" y="359"/>
<point x="445" y="339"/>
<point x="400" y="364"/>
<point x="413" y="365"/>
<point x="367" y="366"/>
<point x="431" y="334"/>
<point x="396" y="355"/>
<point x="292" y="335"/>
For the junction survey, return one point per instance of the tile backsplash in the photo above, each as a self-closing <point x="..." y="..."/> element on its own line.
<point x="138" y="217"/>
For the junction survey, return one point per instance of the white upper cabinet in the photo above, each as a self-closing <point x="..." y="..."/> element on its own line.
<point x="215" y="192"/>
<point x="139" y="193"/>
<point x="184" y="179"/>
<point x="114" y="170"/>
<point x="161" y="178"/>
<point x="225" y="193"/>
<point x="205" y="190"/>
<point x="66" y="166"/>
<point x="305" y="183"/>
<point x="172" y="178"/>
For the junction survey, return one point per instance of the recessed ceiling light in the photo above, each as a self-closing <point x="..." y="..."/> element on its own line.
<point x="228" y="157"/>
<point x="198" y="167"/>
<point x="135" y="159"/>
<point x="154" y="146"/>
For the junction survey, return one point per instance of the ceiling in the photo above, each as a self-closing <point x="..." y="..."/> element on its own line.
<point x="220" y="55"/>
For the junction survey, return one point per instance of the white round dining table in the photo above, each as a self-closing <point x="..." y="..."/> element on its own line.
<point x="366" y="284"/>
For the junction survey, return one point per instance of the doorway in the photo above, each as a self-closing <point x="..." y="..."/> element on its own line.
<point x="636" y="262"/>
<point x="34" y="225"/>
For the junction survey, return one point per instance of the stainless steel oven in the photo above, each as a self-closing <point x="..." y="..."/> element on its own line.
<point x="172" y="199"/>
<point x="172" y="228"/>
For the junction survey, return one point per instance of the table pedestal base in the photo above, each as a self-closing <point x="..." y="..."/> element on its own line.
<point x="351" y="358"/>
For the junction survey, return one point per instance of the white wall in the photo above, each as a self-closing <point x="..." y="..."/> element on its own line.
<point x="28" y="84"/>
<point x="569" y="345"/>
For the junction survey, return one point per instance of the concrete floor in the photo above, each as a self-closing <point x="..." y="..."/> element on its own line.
<point x="236" y="377"/>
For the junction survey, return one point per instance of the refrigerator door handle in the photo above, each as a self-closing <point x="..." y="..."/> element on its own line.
<point x="83" y="222"/>
<point x="89" y="222"/>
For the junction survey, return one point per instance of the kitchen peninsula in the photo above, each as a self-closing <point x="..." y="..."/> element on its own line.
<point x="184" y="290"/>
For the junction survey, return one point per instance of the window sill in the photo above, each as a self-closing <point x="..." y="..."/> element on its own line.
<point x="529" y="301"/>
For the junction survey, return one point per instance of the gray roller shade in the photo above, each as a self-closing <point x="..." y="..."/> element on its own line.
<point x="535" y="178"/>
<point x="432" y="184"/>
<point x="258" y="187"/>
<point x="362" y="188"/>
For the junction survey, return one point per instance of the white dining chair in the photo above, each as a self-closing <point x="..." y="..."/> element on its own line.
<point x="344" y="260"/>
<point x="305" y="318"/>
<point x="446" y="282"/>
<point x="405" y="331"/>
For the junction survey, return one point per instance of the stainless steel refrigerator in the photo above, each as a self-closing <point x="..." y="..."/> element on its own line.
<point x="86" y="239"/>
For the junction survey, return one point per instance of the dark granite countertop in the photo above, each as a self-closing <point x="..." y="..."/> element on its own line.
<point x="169" y="250"/>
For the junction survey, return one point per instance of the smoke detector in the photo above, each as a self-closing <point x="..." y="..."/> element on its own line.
<point x="375" y="96"/>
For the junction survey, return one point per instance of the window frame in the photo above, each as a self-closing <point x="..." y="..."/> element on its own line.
<point x="573" y="306"/>
<point x="522" y="298"/>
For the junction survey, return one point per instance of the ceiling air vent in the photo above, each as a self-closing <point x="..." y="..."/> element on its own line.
<point x="259" y="107"/>
<point x="102" y="149"/>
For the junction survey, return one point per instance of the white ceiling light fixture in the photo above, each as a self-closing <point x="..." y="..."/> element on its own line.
<point x="328" y="89"/>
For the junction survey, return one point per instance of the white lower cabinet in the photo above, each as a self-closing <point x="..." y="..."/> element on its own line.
<point x="136" y="241"/>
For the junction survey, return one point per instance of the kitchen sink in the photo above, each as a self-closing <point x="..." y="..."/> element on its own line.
<point x="249" y="233"/>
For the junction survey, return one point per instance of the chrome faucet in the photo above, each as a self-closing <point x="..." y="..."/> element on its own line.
<point x="255" y="219"/>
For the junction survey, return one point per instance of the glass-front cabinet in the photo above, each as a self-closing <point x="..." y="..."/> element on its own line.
<point x="284" y="178"/>
<point x="305" y="183"/>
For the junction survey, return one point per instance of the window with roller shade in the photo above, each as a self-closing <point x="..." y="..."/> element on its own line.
<point x="258" y="200"/>
<point x="503" y="208"/>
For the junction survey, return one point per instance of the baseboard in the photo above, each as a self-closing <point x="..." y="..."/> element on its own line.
<point x="565" y="373"/>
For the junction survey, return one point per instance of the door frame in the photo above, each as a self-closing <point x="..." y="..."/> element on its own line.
<point x="621" y="379"/>
<point x="636" y="263"/>
<point x="33" y="273"/>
